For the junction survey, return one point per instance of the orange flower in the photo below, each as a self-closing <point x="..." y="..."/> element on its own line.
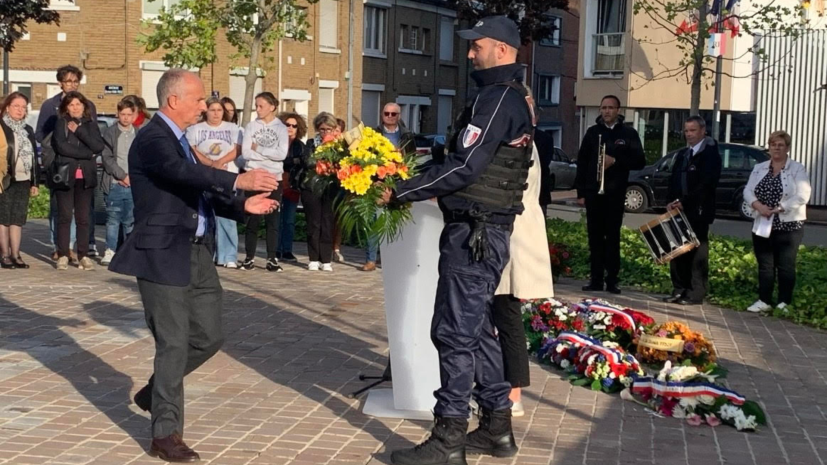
<point x="330" y="137"/>
<point x="381" y="172"/>
<point x="322" y="168"/>
<point x="355" y="169"/>
<point x="342" y="174"/>
<point x="391" y="168"/>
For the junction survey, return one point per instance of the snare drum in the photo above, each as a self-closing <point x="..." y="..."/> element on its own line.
<point x="669" y="236"/>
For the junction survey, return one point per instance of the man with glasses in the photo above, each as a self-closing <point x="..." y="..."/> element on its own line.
<point x="69" y="78"/>
<point x="604" y="211"/>
<point x="403" y="140"/>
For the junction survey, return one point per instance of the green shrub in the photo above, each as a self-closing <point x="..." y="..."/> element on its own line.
<point x="733" y="270"/>
<point x="39" y="206"/>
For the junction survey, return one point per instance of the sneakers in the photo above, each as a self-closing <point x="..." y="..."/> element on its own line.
<point x="783" y="307"/>
<point x="231" y="265"/>
<point x="758" y="307"/>
<point x="446" y="446"/>
<point x="517" y="409"/>
<point x="248" y="264"/>
<point x="494" y="436"/>
<point x="107" y="257"/>
<point x="313" y="266"/>
<point x="86" y="264"/>
<point x="273" y="265"/>
<point x="93" y="252"/>
<point x="289" y="257"/>
<point x="62" y="263"/>
<point x="327" y="267"/>
<point x="338" y="257"/>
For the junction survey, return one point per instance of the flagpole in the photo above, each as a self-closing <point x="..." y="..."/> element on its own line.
<point x="719" y="64"/>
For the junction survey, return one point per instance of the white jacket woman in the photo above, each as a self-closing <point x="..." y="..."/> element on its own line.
<point x="796" y="182"/>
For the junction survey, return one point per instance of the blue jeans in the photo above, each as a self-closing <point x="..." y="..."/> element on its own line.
<point x="372" y="248"/>
<point x="119" y="212"/>
<point x="226" y="238"/>
<point x="53" y="214"/>
<point x="287" y="226"/>
<point x="92" y="221"/>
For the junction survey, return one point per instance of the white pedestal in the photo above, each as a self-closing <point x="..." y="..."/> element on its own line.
<point x="409" y="272"/>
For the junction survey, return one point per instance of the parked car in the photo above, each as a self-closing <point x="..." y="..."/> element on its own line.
<point x="563" y="171"/>
<point x="425" y="143"/>
<point x="648" y="187"/>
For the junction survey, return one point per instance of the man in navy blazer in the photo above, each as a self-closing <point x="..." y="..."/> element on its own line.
<point x="171" y="249"/>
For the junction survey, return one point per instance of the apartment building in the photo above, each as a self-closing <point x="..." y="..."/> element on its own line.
<point x="412" y="56"/>
<point x="100" y="38"/>
<point x="552" y="75"/>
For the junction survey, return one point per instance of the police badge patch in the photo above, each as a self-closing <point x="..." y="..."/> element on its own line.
<point x="472" y="133"/>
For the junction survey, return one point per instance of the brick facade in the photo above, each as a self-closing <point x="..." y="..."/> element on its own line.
<point x="100" y="38"/>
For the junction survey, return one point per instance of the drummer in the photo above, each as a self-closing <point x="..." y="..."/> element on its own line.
<point x="695" y="175"/>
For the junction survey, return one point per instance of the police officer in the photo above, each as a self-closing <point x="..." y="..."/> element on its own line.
<point x="479" y="188"/>
<point x="604" y="212"/>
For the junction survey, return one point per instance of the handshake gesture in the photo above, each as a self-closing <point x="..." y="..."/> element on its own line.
<point x="258" y="180"/>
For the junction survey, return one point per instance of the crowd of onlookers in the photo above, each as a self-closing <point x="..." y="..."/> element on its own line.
<point x="71" y="141"/>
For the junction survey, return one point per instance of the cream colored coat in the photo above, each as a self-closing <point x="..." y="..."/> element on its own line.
<point x="528" y="274"/>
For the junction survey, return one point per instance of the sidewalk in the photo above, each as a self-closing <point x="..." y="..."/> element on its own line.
<point x="74" y="348"/>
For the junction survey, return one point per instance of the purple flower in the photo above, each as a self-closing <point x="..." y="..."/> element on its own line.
<point x="689" y="347"/>
<point x="662" y="333"/>
<point x="607" y="382"/>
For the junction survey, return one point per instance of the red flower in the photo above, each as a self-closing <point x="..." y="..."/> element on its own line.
<point x="546" y="308"/>
<point x="667" y="405"/>
<point x="328" y="138"/>
<point x="578" y="325"/>
<point x="621" y="322"/>
<point x="619" y="369"/>
<point x="641" y="319"/>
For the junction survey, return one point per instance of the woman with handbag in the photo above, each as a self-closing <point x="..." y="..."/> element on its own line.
<point x="293" y="172"/>
<point x="76" y="141"/>
<point x="20" y="182"/>
<point x="777" y="194"/>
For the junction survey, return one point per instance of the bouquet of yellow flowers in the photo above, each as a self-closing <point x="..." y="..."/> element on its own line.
<point x="364" y="163"/>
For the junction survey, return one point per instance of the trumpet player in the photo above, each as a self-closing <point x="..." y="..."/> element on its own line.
<point x="601" y="188"/>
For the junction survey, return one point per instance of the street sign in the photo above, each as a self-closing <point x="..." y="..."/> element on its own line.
<point x="113" y="89"/>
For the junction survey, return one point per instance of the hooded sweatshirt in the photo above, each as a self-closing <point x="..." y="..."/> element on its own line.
<point x="271" y="142"/>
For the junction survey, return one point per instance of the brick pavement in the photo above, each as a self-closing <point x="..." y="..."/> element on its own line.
<point x="74" y="348"/>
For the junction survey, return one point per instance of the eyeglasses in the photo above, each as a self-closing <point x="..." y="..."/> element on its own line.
<point x="74" y="82"/>
<point x="325" y="130"/>
<point x="391" y="113"/>
<point x="19" y="107"/>
<point x="294" y="126"/>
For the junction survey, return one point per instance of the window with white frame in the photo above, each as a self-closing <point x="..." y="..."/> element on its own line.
<point x="301" y="12"/>
<point x="25" y="89"/>
<point x="153" y="8"/>
<point x="414" y="39"/>
<point x="548" y="90"/>
<point x="553" y="39"/>
<point x="326" y="101"/>
<point x="446" y="39"/>
<point x="371" y="101"/>
<point x="66" y="5"/>
<point x="375" y="30"/>
<point x="329" y="22"/>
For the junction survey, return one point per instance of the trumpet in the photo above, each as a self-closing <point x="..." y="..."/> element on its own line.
<point x="601" y="163"/>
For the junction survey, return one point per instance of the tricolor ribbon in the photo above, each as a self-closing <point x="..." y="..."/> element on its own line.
<point x="652" y="386"/>
<point x="593" y="344"/>
<point x="613" y="311"/>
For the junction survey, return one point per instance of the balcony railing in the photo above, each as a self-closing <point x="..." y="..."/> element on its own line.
<point x="609" y="53"/>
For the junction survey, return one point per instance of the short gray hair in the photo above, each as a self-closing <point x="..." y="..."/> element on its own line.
<point x="170" y="84"/>
<point x="394" y="104"/>
<point x="698" y="120"/>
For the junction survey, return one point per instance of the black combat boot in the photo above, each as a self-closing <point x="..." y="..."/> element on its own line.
<point x="446" y="446"/>
<point x="494" y="436"/>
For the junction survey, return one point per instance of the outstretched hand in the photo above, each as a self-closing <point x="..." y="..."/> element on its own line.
<point x="386" y="197"/>
<point x="257" y="180"/>
<point x="260" y="204"/>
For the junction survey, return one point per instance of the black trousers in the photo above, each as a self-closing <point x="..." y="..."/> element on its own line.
<point x="604" y="217"/>
<point x="776" y="255"/>
<point x="186" y="325"/>
<point x="271" y="225"/>
<point x="508" y="319"/>
<point x="318" y="212"/>
<point x="690" y="271"/>
<point x="462" y="329"/>
<point x="77" y="199"/>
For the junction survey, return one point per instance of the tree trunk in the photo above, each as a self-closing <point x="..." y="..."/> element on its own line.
<point x="250" y="79"/>
<point x="698" y="61"/>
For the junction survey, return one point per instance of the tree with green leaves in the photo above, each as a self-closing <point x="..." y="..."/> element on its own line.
<point x="187" y="31"/>
<point x="14" y="15"/>
<point x="689" y="25"/>
<point x="530" y="15"/>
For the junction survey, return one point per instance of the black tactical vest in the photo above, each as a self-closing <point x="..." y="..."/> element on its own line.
<point x="502" y="183"/>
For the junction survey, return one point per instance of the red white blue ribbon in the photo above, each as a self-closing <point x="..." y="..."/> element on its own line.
<point x="652" y="386"/>
<point x="582" y="340"/>
<point x="613" y="311"/>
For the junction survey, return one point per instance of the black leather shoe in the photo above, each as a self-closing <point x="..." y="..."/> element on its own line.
<point x="612" y="289"/>
<point x="685" y="301"/>
<point x="143" y="398"/>
<point x="173" y="449"/>
<point x="672" y="298"/>
<point x="593" y="288"/>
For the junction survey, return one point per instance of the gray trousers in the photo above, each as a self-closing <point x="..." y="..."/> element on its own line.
<point x="186" y="325"/>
